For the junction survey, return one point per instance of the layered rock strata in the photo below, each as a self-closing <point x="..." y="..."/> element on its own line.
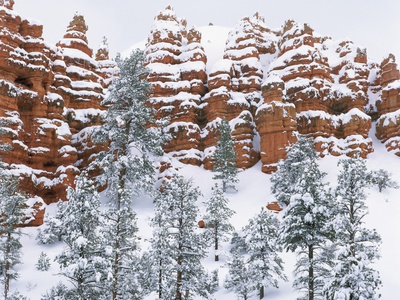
<point x="388" y="105"/>
<point x="49" y="101"/>
<point x="270" y="85"/>
<point x="177" y="72"/>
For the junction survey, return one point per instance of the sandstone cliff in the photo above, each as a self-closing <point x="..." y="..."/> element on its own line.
<point x="49" y="101"/>
<point x="270" y="84"/>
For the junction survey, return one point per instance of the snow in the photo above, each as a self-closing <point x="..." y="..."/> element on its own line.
<point x="253" y="193"/>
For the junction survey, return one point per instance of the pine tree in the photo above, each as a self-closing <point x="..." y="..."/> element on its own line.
<point x="217" y="218"/>
<point x="130" y="129"/>
<point x="383" y="179"/>
<point x="289" y="173"/>
<point x="52" y="230"/>
<point x="82" y="260"/>
<point x="261" y="239"/>
<point x="224" y="158"/>
<point x="357" y="247"/>
<point x="176" y="246"/>
<point x="127" y="167"/>
<point x="305" y="227"/>
<point x="239" y="277"/>
<point x="121" y="242"/>
<point x="12" y="213"/>
<point x="43" y="263"/>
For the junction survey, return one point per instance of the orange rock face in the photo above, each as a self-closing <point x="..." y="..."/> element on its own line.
<point x="276" y="124"/>
<point x="388" y="106"/>
<point x="270" y="85"/>
<point x="49" y="102"/>
<point x="177" y="73"/>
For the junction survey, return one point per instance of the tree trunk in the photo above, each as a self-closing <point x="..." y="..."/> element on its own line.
<point x="121" y="183"/>
<point x="179" y="280"/>
<point x="7" y="267"/>
<point x="160" y="280"/>
<point x="311" y="273"/>
<point x="216" y="243"/>
<point x="262" y="292"/>
<point x="116" y="263"/>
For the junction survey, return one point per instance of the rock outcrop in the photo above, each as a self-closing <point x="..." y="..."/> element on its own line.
<point x="388" y="106"/>
<point x="177" y="73"/>
<point x="327" y="81"/>
<point x="49" y="101"/>
<point x="271" y="85"/>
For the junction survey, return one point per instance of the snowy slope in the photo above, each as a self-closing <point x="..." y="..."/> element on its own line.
<point x="253" y="193"/>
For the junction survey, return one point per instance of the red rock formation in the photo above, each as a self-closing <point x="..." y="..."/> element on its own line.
<point x="388" y="106"/>
<point x="328" y="87"/>
<point x="234" y="90"/>
<point x="276" y="124"/>
<point x="177" y="64"/>
<point x="326" y="82"/>
<point x="49" y="99"/>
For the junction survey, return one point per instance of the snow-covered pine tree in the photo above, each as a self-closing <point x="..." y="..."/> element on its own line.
<point x="82" y="261"/>
<point x="305" y="226"/>
<point x="13" y="212"/>
<point x="239" y="278"/>
<point x="261" y="237"/>
<point x="52" y="230"/>
<point x="288" y="175"/>
<point x="121" y="242"/>
<point x="356" y="247"/>
<point x="224" y="158"/>
<point x="43" y="263"/>
<point x="383" y="179"/>
<point x="177" y="247"/>
<point x="217" y="218"/>
<point x="129" y="129"/>
<point x="126" y="166"/>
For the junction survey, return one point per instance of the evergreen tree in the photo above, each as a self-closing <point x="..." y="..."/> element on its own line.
<point x="13" y="212"/>
<point x="120" y="240"/>
<point x="383" y="179"/>
<point x="217" y="218"/>
<point x="176" y="246"/>
<point x="82" y="260"/>
<point x="58" y="292"/>
<point x="224" y="158"/>
<point x="239" y="277"/>
<point x="305" y="227"/>
<point x="357" y="247"/>
<point x="43" y="263"/>
<point x="261" y="238"/>
<point x="52" y="230"/>
<point x="289" y="173"/>
<point x="126" y="166"/>
<point x="130" y="130"/>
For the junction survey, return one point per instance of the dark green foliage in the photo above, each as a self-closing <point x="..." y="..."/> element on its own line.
<point x="13" y="212"/>
<point x="306" y="224"/>
<point x="224" y="158"/>
<point x="217" y="218"/>
<point x="177" y="248"/>
<point x="356" y="248"/>
<point x="43" y="263"/>
<point x="383" y="179"/>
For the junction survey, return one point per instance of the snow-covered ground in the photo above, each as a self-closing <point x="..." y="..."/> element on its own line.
<point x="253" y="193"/>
